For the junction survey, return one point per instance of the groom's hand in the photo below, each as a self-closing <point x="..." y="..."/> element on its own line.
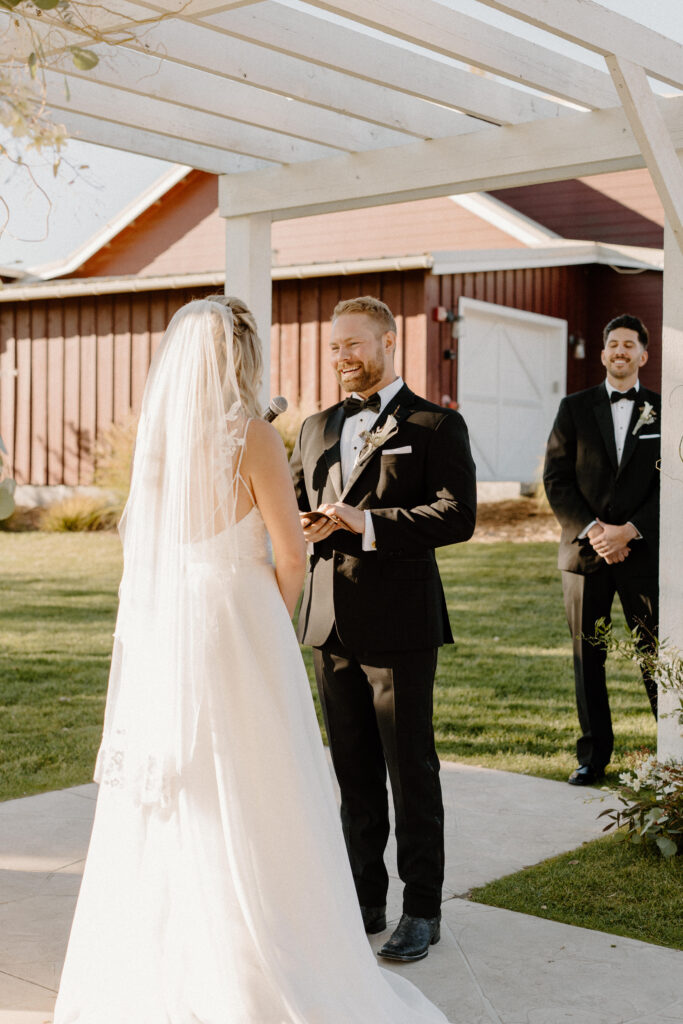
<point x="348" y="517"/>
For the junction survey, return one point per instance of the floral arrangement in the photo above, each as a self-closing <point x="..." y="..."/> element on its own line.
<point x="375" y="438"/>
<point x="651" y="792"/>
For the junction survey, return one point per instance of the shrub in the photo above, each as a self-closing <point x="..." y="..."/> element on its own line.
<point x="114" y="458"/>
<point x="22" y="519"/>
<point x="80" y="513"/>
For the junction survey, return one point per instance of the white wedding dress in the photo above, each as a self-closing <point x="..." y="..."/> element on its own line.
<point x="234" y="903"/>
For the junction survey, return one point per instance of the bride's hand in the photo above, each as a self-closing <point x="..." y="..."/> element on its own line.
<point x="317" y="526"/>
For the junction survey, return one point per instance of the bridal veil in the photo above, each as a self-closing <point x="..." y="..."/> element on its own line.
<point x="183" y="493"/>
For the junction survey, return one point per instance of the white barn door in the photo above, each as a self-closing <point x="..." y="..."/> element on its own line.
<point x="511" y="377"/>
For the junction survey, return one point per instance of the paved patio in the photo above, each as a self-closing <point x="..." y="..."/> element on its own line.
<point x="491" y="967"/>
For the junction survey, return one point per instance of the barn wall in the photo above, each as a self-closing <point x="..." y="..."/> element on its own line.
<point x="82" y="362"/>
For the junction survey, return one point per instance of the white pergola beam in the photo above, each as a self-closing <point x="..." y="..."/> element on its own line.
<point x="504" y="157"/>
<point x="252" y="64"/>
<point x="308" y="37"/>
<point x="669" y="731"/>
<point x="436" y="27"/>
<point x="153" y="115"/>
<point x="248" y="259"/>
<point x="653" y="137"/>
<point x="137" y="73"/>
<point x="604" y="31"/>
<point x="192" y="8"/>
<point x="208" y="50"/>
<point x="161" y="147"/>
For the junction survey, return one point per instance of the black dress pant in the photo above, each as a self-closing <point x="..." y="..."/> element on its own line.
<point x="378" y="715"/>
<point x="587" y="599"/>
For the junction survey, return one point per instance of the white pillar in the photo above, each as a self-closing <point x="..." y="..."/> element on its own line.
<point x="248" y="275"/>
<point x="670" y="731"/>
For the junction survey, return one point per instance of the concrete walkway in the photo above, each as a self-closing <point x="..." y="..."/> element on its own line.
<point x="491" y="967"/>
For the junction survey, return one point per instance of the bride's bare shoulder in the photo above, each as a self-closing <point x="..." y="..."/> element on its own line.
<point x="263" y="443"/>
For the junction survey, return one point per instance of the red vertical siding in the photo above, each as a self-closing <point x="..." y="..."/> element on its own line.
<point x="8" y="362"/>
<point x="39" y="393"/>
<point x="22" y="430"/>
<point x="82" y="362"/>
<point x="54" y="383"/>
<point x="72" y="374"/>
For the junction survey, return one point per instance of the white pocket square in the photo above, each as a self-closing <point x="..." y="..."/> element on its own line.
<point x="646" y="437"/>
<point x="406" y="450"/>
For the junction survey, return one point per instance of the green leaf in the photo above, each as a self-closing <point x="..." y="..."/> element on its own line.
<point x="85" y="60"/>
<point x="667" y="847"/>
<point x="45" y="5"/>
<point x="33" y="63"/>
<point x="9" y="4"/>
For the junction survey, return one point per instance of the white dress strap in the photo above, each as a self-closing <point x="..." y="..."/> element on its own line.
<point x="238" y="475"/>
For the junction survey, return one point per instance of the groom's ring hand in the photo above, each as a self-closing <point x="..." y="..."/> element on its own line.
<point x="346" y="516"/>
<point x="319" y="526"/>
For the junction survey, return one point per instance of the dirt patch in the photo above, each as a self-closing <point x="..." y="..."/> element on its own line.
<point x="519" y="520"/>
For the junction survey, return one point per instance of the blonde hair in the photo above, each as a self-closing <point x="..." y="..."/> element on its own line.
<point x="372" y="307"/>
<point x="247" y="352"/>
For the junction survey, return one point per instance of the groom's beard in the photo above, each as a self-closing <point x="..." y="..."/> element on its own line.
<point x="369" y="374"/>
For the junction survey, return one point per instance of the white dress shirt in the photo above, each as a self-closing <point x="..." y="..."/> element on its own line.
<point x="351" y="443"/>
<point x="621" y="417"/>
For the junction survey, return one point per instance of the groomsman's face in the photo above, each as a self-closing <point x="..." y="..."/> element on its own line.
<point x="362" y="356"/>
<point x="622" y="357"/>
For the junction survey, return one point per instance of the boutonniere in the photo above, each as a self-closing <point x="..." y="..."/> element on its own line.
<point x="647" y="416"/>
<point x="374" y="438"/>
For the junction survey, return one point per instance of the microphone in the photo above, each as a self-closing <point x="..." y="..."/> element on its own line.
<point x="277" y="406"/>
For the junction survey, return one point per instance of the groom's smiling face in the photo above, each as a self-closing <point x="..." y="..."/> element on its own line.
<point x="361" y="355"/>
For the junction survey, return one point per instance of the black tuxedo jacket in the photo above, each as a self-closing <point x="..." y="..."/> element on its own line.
<point x="390" y="599"/>
<point x="583" y="481"/>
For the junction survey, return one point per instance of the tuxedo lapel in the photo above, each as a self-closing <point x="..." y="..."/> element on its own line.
<point x="332" y="435"/>
<point x="631" y="441"/>
<point x="603" y="414"/>
<point x="399" y="407"/>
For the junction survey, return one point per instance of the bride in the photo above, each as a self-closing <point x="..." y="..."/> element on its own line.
<point x="217" y="888"/>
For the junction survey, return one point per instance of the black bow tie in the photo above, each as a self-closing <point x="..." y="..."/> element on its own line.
<point x="631" y="394"/>
<point x="353" y="405"/>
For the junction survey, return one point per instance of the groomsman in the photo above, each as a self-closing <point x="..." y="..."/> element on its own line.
<point x="394" y="478"/>
<point x="602" y="481"/>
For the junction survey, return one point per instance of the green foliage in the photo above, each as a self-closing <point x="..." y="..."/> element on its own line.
<point x="80" y="513"/>
<point x="605" y="885"/>
<point x="651" y="793"/>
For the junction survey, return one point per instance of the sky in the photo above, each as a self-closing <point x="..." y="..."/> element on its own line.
<point x="94" y="184"/>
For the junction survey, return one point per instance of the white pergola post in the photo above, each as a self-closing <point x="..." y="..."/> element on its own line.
<point x="670" y="731"/>
<point x="248" y="275"/>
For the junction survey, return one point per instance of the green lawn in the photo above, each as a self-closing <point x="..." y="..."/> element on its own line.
<point x="504" y="699"/>
<point x="608" y="885"/>
<point x="504" y="695"/>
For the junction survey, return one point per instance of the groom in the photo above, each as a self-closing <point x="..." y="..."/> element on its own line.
<point x="395" y="478"/>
